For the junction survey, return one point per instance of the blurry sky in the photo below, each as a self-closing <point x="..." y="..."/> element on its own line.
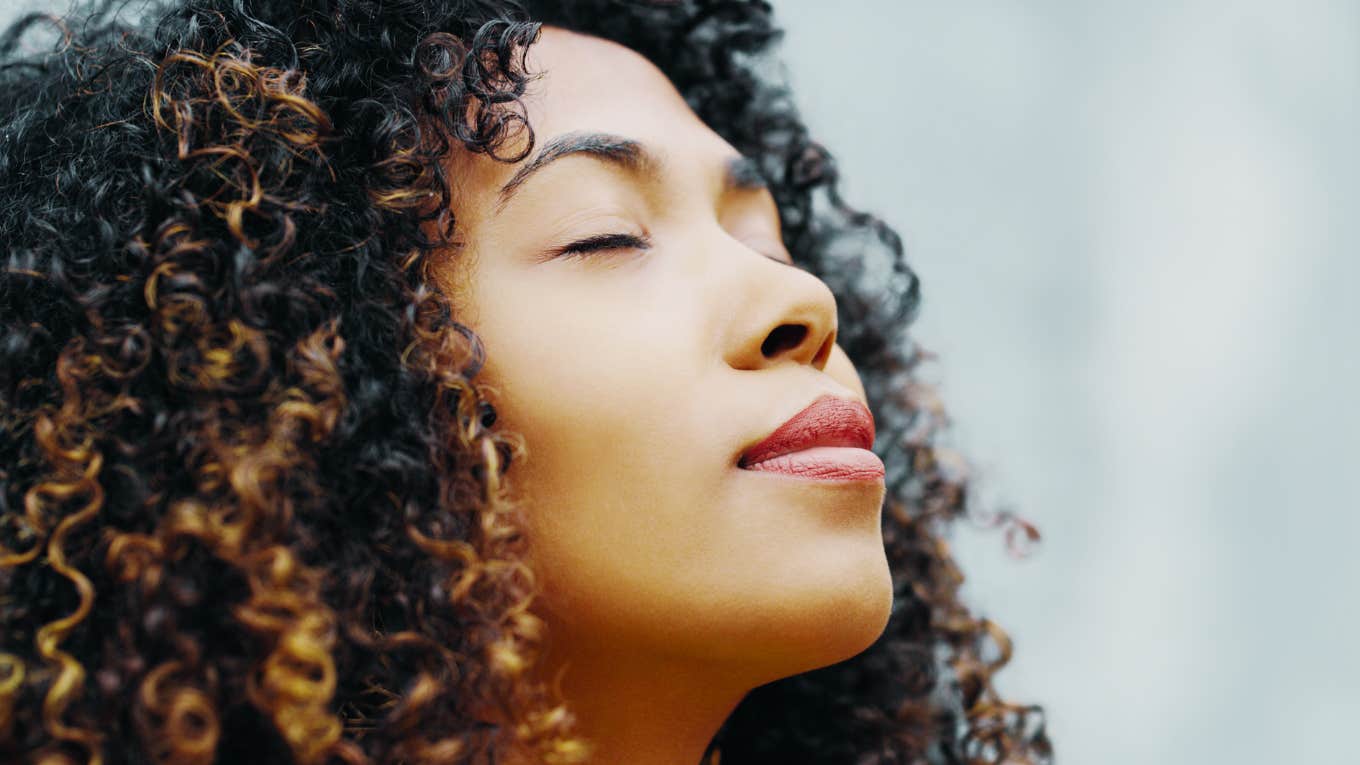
<point x="1136" y="228"/>
<point x="1134" y="223"/>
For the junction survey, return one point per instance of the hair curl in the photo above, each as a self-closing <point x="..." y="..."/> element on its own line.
<point x="252" y="497"/>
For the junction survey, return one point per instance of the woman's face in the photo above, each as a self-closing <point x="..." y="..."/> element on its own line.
<point x="639" y="373"/>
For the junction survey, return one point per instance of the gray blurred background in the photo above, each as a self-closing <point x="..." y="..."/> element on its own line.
<point x="1133" y="223"/>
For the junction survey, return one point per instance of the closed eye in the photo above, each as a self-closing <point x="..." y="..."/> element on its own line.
<point x="604" y="242"/>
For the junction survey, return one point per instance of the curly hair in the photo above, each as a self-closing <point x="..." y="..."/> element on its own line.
<point x="253" y="499"/>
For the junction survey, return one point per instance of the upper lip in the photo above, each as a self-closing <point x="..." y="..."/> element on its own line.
<point x="827" y="421"/>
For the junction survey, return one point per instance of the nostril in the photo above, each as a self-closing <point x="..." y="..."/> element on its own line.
<point x="784" y="337"/>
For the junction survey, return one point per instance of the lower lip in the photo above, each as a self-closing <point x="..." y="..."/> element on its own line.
<point x="825" y="463"/>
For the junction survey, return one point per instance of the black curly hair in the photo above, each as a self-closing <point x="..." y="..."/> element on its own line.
<point x="251" y="495"/>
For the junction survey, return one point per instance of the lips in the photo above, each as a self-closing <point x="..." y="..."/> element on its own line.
<point x="827" y="421"/>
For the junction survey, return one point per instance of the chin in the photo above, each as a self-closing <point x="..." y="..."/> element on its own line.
<point x="860" y="619"/>
<point x="831" y="623"/>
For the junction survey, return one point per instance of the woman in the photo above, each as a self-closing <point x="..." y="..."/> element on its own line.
<point x="461" y="382"/>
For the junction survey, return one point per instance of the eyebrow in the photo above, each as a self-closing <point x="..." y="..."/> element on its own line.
<point x="739" y="171"/>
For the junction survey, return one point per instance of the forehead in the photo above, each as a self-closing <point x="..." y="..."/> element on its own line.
<point x="585" y="83"/>
<point x="590" y="83"/>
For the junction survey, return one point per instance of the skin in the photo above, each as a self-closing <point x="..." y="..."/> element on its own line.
<point x="673" y="581"/>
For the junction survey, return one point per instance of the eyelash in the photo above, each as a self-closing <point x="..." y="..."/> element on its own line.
<point x="607" y="242"/>
<point x="603" y="243"/>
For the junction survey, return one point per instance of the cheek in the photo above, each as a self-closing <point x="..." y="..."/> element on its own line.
<point x="585" y="375"/>
<point x="604" y="396"/>
<point x="618" y="475"/>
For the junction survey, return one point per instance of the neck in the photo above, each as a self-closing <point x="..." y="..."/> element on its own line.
<point x="643" y="710"/>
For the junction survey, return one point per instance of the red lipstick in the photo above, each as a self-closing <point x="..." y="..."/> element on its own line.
<point x="828" y="440"/>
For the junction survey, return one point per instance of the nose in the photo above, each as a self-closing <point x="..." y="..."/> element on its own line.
<point x="784" y="315"/>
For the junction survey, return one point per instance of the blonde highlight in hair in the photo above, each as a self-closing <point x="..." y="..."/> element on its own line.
<point x="254" y="501"/>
